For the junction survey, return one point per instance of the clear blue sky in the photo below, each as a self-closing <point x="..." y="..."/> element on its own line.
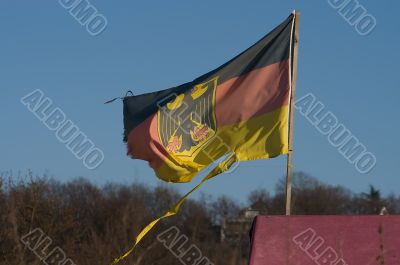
<point x="148" y="46"/>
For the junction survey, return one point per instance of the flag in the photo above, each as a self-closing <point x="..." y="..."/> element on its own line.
<point x="240" y="108"/>
<point x="237" y="112"/>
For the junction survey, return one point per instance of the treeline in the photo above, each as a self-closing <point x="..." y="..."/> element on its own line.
<point x="93" y="225"/>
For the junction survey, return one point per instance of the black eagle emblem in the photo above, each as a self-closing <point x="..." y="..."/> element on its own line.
<point x="188" y="121"/>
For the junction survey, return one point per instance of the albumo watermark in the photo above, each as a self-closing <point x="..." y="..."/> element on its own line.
<point x="355" y="14"/>
<point x="337" y="134"/>
<point x="314" y="246"/>
<point x="178" y="244"/>
<point x="42" y="246"/>
<point x="86" y="14"/>
<point x="65" y="130"/>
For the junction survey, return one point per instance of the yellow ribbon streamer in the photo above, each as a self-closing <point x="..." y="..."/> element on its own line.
<point x="221" y="167"/>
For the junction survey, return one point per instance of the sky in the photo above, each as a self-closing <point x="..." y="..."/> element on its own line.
<point x="152" y="45"/>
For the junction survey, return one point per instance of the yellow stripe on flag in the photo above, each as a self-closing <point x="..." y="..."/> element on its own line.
<point x="264" y="136"/>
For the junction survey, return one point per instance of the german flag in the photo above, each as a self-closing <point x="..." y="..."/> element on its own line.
<point x="237" y="112"/>
<point x="239" y="109"/>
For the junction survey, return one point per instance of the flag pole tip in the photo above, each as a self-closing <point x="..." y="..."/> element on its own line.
<point x="295" y="12"/>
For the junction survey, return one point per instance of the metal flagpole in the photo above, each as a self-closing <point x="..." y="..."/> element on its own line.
<point x="295" y="42"/>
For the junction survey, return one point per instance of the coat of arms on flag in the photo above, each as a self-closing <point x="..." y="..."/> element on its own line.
<point x="187" y="122"/>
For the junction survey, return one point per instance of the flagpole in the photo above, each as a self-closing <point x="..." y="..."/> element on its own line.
<point x="289" y="168"/>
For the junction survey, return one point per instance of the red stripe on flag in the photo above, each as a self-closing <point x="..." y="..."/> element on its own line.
<point x="144" y="143"/>
<point x="260" y="91"/>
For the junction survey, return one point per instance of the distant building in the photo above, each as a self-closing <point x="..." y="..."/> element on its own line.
<point x="235" y="231"/>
